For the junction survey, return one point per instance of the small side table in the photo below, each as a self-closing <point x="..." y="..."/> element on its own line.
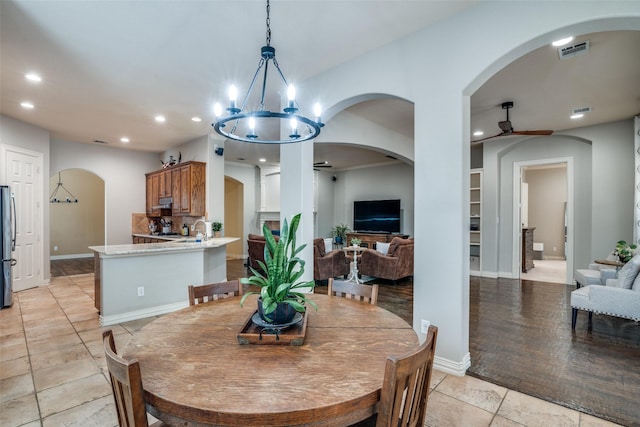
<point x="614" y="263"/>
<point x="353" y="276"/>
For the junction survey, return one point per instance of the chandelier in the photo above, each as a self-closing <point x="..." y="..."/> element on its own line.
<point x="243" y="124"/>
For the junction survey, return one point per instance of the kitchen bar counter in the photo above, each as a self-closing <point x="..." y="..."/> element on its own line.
<point x="173" y="244"/>
<point x="144" y="280"/>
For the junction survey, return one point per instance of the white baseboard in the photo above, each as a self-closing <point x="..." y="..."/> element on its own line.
<point x="141" y="314"/>
<point x="451" y="367"/>
<point x="490" y="274"/>
<point x="71" y="256"/>
<point x="505" y="275"/>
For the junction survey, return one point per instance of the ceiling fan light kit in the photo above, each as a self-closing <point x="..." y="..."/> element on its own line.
<point x="241" y="124"/>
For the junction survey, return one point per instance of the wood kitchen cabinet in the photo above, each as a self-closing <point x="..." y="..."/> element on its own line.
<point x="188" y="187"/>
<point x="184" y="183"/>
<point x="153" y="194"/>
<point x="164" y="184"/>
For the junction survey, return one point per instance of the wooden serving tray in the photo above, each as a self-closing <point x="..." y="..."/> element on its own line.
<point x="250" y="333"/>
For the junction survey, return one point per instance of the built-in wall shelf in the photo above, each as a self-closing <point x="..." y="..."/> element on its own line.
<point x="475" y="212"/>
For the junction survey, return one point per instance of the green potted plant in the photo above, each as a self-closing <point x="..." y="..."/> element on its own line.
<point x="340" y="233"/>
<point x="216" y="227"/>
<point x="623" y="251"/>
<point x="280" y="296"/>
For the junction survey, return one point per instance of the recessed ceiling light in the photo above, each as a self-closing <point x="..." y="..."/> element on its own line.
<point x="562" y="42"/>
<point x="160" y="119"/>
<point x="478" y="133"/>
<point x="196" y="119"/>
<point x="577" y="116"/>
<point x="262" y="160"/>
<point x="33" y="77"/>
<point x="27" y="105"/>
<point x="124" y="139"/>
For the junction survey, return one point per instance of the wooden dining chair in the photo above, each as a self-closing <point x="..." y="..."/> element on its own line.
<point x="126" y="384"/>
<point x="351" y="290"/>
<point x="214" y="291"/>
<point x="403" y="400"/>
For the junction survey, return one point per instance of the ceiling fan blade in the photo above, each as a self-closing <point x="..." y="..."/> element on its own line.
<point x="324" y="164"/>
<point x="532" y="132"/>
<point x="489" y="137"/>
<point x="513" y="133"/>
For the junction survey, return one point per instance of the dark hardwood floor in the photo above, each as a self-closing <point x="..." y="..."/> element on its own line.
<point x="71" y="267"/>
<point x="520" y="337"/>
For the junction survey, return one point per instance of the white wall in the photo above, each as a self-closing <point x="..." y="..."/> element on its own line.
<point x="124" y="180"/>
<point x="325" y="200"/>
<point x="603" y="179"/>
<point x="375" y="183"/>
<point x="613" y="184"/>
<point x="439" y="77"/>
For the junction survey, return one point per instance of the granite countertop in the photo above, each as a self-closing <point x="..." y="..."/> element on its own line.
<point x="175" y="244"/>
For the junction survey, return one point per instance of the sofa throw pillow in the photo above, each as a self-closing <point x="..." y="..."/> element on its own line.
<point x="395" y="242"/>
<point x="383" y="248"/>
<point x="328" y="245"/>
<point x="628" y="273"/>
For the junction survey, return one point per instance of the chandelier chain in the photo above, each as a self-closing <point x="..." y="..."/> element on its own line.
<point x="268" y="24"/>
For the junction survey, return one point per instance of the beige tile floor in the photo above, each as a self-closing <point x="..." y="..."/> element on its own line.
<point x="52" y="371"/>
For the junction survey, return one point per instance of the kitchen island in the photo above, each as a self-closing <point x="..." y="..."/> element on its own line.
<point x="143" y="280"/>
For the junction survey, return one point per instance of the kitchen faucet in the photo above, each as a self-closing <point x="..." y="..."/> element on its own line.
<point x="207" y="227"/>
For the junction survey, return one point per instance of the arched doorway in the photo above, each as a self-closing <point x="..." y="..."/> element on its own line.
<point x="234" y="215"/>
<point x="76" y="213"/>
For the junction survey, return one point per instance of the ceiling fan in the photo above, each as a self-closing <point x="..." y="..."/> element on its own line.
<point x="507" y="128"/>
<point x="324" y="164"/>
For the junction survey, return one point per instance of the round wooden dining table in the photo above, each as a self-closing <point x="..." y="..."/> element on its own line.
<point x="195" y="372"/>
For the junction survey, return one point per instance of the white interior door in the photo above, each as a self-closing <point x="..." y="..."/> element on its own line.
<point x="24" y="176"/>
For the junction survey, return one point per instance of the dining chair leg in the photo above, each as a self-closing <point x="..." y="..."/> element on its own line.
<point x="574" y="317"/>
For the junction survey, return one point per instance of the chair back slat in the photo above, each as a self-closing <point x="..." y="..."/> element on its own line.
<point x="126" y="384"/>
<point x="355" y="291"/>
<point x="214" y="291"/>
<point x="403" y="401"/>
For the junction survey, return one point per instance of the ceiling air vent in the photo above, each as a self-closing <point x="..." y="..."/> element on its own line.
<point x="581" y="110"/>
<point x="573" y="50"/>
<point x="99" y="141"/>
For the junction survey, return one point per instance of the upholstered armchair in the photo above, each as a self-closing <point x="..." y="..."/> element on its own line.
<point x="396" y="264"/>
<point x="328" y="264"/>
<point x="256" y="244"/>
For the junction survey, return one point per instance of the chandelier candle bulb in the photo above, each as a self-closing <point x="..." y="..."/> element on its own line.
<point x="317" y="110"/>
<point x="252" y="128"/>
<point x="291" y="95"/>
<point x="217" y="109"/>
<point x="233" y="95"/>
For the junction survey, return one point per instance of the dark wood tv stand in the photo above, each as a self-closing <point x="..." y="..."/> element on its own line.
<point x="369" y="239"/>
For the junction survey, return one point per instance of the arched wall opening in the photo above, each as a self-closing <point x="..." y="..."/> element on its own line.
<point x="74" y="226"/>
<point x="234" y="215"/>
<point x="439" y="79"/>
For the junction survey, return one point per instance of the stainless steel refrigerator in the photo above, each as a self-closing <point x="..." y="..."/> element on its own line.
<point x="7" y="243"/>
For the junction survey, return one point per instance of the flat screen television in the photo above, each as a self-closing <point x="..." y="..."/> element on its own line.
<point x="376" y="216"/>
